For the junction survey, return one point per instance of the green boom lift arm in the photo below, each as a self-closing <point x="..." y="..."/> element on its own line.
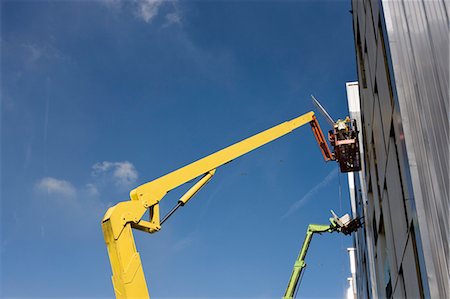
<point x="342" y="225"/>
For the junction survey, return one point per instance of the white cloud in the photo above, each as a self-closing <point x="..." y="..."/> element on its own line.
<point x="65" y="203"/>
<point x="51" y="186"/>
<point x="91" y="190"/>
<point x="310" y="194"/>
<point x="183" y="243"/>
<point x="43" y="53"/>
<point x="113" y="4"/>
<point x="100" y="167"/>
<point x="35" y="52"/>
<point x="147" y="10"/>
<point x="60" y="203"/>
<point x="173" y="18"/>
<point x="123" y="174"/>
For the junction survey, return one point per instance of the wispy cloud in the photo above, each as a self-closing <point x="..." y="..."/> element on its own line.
<point x="184" y="243"/>
<point x="35" y="52"/>
<point x="92" y="190"/>
<point x="66" y="201"/>
<point x="62" y="189"/>
<point x="123" y="174"/>
<point x="65" y="204"/>
<point x="120" y="174"/>
<point x="113" y="4"/>
<point x="310" y="194"/>
<point x="173" y="18"/>
<point x="147" y="10"/>
<point x="43" y="53"/>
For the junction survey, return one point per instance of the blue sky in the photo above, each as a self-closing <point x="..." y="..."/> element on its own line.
<point x="98" y="97"/>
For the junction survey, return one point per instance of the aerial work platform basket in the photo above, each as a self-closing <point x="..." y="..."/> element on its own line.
<point x="344" y="140"/>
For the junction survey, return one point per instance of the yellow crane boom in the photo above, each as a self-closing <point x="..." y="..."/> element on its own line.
<point x="127" y="273"/>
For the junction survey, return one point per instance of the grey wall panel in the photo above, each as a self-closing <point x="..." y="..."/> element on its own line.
<point x="375" y="14"/>
<point x="382" y="266"/>
<point x="370" y="208"/>
<point x="355" y="4"/>
<point x="384" y="94"/>
<point x="377" y="209"/>
<point x="366" y="261"/>
<point x="389" y="233"/>
<point x="380" y="146"/>
<point x="396" y="204"/>
<point x="406" y="139"/>
<point x="399" y="287"/>
<point x="373" y="174"/>
<point x="367" y="109"/>
<point x="374" y="195"/>
<point x="436" y="16"/>
<point x="402" y="156"/>
<point x="379" y="271"/>
<point x="418" y="41"/>
<point x="372" y="177"/>
<point x="409" y="264"/>
<point x="371" y="45"/>
<point x="362" y="23"/>
<point x="404" y="165"/>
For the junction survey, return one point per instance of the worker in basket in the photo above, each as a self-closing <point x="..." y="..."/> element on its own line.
<point x="342" y="129"/>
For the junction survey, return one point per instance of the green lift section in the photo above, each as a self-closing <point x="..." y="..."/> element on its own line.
<point x="343" y="225"/>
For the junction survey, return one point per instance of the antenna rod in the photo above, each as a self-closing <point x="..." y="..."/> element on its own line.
<point x="323" y="111"/>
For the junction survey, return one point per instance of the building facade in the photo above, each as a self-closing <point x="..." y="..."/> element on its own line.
<point x="401" y="103"/>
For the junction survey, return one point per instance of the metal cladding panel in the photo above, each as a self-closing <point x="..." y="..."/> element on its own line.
<point x="399" y="288"/>
<point x="377" y="208"/>
<point x="375" y="195"/>
<point x="418" y="41"/>
<point x="362" y="24"/>
<point x="367" y="111"/>
<point x="409" y="266"/>
<point x="383" y="89"/>
<point x="382" y="266"/>
<point x="369" y="74"/>
<point x="390" y="237"/>
<point x="375" y="13"/>
<point x="380" y="146"/>
<point x="396" y="204"/>
<point x="371" y="45"/>
<point x="354" y="11"/>
<point x="403" y="162"/>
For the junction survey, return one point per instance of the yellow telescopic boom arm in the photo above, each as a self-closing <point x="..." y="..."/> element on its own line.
<point x="127" y="274"/>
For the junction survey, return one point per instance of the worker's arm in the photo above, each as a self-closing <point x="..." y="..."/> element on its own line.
<point x="128" y="277"/>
